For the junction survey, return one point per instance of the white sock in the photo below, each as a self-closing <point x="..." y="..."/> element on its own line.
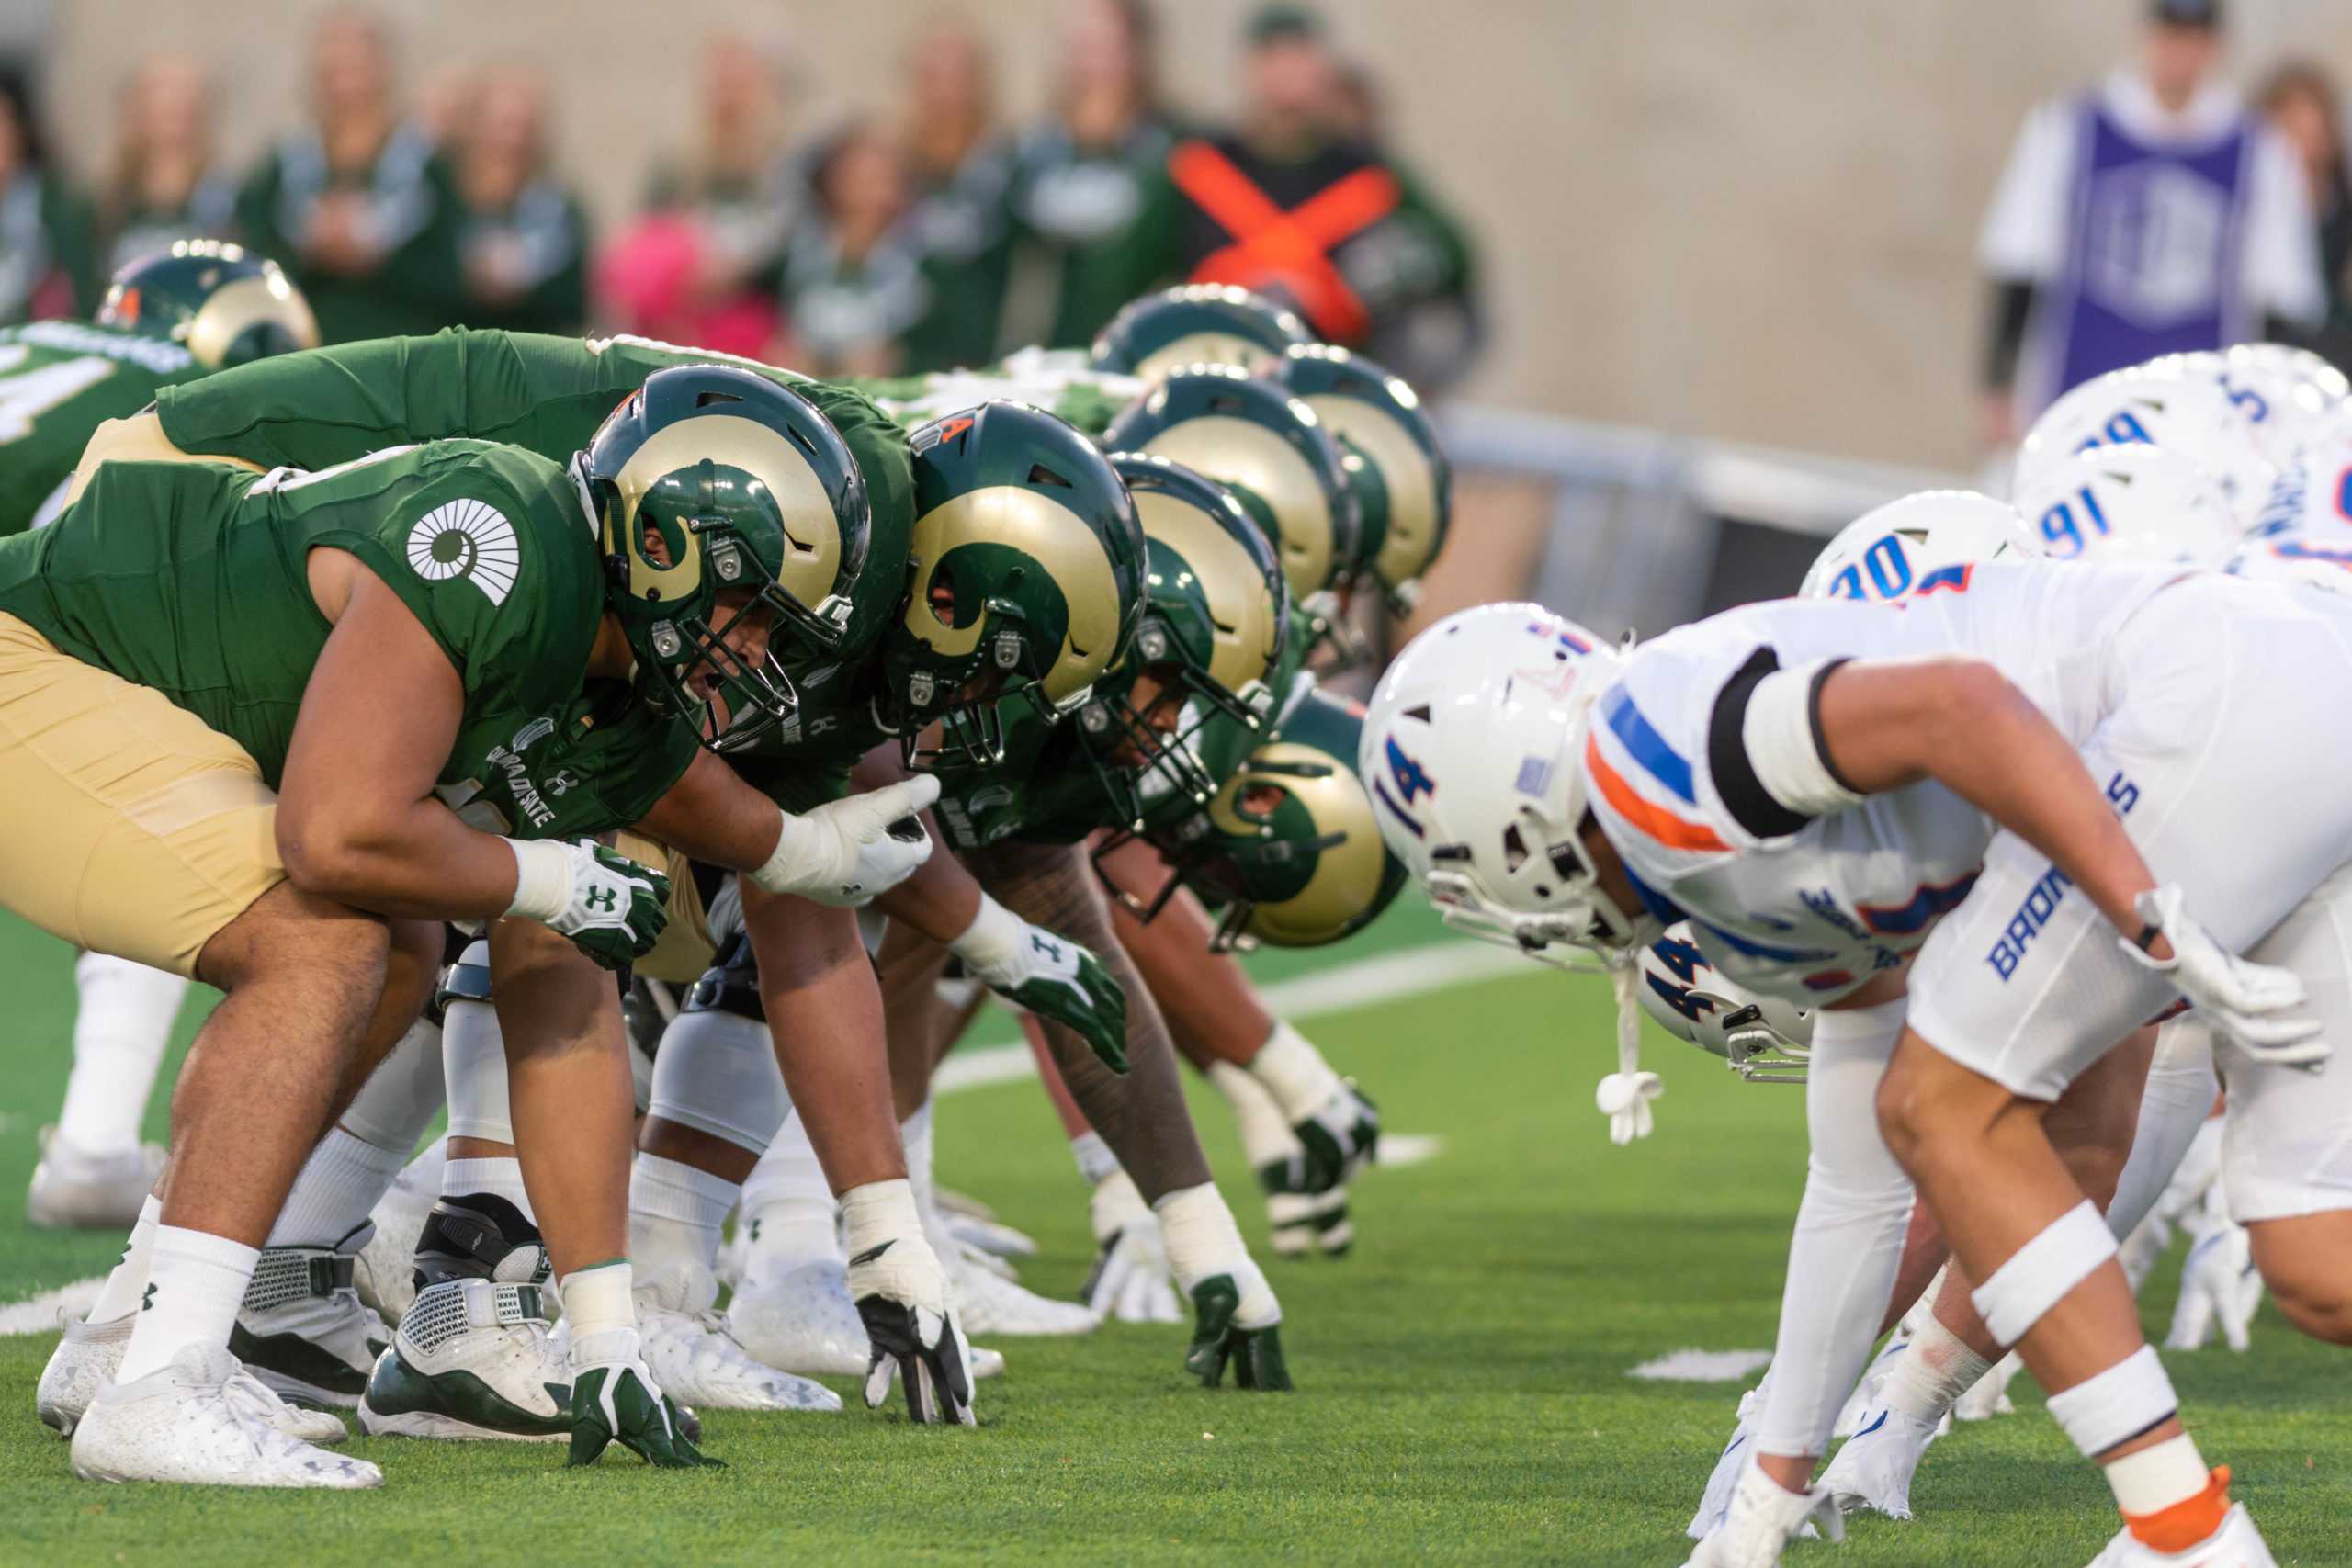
<point x="121" y="1024"/>
<point x="676" y="1211"/>
<point x="788" y="1203"/>
<point x="1933" y="1371"/>
<point x="500" y="1178"/>
<point x="119" y="1297"/>
<point x="338" y="1188"/>
<point x="1291" y="1069"/>
<point x="2156" y="1478"/>
<point x="196" y="1281"/>
<point x="1266" y="1137"/>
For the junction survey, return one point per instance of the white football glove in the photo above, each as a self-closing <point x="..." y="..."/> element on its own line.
<point x="1624" y="1098"/>
<point x="611" y="908"/>
<point x="2256" y="1008"/>
<point x="1130" y="1280"/>
<point x="2219" y="1285"/>
<point x="900" y="1290"/>
<point x="846" y="851"/>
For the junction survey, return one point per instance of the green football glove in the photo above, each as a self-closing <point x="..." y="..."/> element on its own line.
<point x="1220" y="1336"/>
<point x="611" y="908"/>
<point x="1049" y="976"/>
<point x="615" y="1400"/>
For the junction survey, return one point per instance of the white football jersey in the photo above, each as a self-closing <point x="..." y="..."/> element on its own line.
<point x="1808" y="909"/>
<point x="2312" y="496"/>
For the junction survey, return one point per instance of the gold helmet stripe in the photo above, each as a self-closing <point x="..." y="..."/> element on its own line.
<point x="812" y="533"/>
<point x="1241" y="611"/>
<point x="1405" y="470"/>
<point x="1346" y="877"/>
<point x="1238" y="452"/>
<point x="243" y="303"/>
<point x="1037" y="526"/>
<point x="1205" y="348"/>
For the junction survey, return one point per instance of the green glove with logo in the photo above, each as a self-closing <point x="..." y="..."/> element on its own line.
<point x="1049" y="976"/>
<point x="612" y="908"/>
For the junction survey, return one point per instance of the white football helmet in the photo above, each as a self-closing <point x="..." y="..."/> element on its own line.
<point x="2307" y="401"/>
<point x="2133" y="502"/>
<point x="1765" y="1040"/>
<point x="2298" y="557"/>
<point x="1470" y="752"/>
<point x="1886" y="554"/>
<point x="2178" y="402"/>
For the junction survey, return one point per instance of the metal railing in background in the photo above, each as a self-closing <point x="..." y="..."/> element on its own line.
<point x="1638" y="529"/>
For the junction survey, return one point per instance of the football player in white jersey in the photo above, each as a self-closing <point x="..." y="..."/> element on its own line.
<point x="2180" y="402"/>
<point x="1776" y="771"/>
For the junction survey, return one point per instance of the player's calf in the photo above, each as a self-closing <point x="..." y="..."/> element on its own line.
<point x="2307" y="1262"/>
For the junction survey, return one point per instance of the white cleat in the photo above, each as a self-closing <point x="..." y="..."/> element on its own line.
<point x="1862" y="1403"/>
<point x="990" y="1235"/>
<point x="987" y="1302"/>
<point x="697" y="1362"/>
<point x="472" y="1359"/>
<point x="1764" y="1516"/>
<point x="88" y="1355"/>
<point x="1989" y="1395"/>
<point x="189" y="1422"/>
<point x="1875" y="1469"/>
<point x="385" y="1271"/>
<point x="77" y="1188"/>
<point x="1715" y="1503"/>
<point x="2237" y="1544"/>
<point x="800" y="1319"/>
<point x="304" y="1329"/>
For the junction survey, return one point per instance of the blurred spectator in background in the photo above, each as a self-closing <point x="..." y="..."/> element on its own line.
<point x="2300" y="102"/>
<point x="357" y="205"/>
<point x="48" y="253"/>
<point x="522" y="237"/>
<point x="1079" y="174"/>
<point x="165" y="184"/>
<point x="704" y="264"/>
<point x="2152" y="214"/>
<point x="853" y="280"/>
<point x="1332" y="226"/>
<point x="1355" y="112"/>
<point x="961" y="167"/>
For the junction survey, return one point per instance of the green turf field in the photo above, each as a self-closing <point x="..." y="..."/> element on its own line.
<point x="1462" y="1387"/>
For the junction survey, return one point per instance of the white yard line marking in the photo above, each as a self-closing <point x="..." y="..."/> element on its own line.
<point x="1702" y="1365"/>
<point x="1367" y="982"/>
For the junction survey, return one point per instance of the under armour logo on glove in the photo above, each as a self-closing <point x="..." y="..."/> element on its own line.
<point x="603" y="901"/>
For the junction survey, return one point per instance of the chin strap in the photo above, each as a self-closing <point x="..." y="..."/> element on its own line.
<point x="1624" y="1095"/>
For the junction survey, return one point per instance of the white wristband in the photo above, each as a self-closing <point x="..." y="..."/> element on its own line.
<point x="993" y="938"/>
<point x="542" y="879"/>
<point x="1293" y="1071"/>
<point x="778" y="874"/>
<point x="876" y="1212"/>
<point x="1201" y="1238"/>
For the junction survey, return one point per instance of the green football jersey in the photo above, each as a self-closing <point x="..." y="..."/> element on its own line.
<point x="545" y="394"/>
<point x="58" y="381"/>
<point x="189" y="578"/>
<point x="598" y="765"/>
<point x="805" y="760"/>
<point x="1057" y="380"/>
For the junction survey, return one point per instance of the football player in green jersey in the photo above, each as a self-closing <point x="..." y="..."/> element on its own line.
<point x="261" y="808"/>
<point x="171" y="317"/>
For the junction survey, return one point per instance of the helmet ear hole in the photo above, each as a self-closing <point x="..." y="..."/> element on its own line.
<point x="1041" y="475"/>
<point x="1514" y="848"/>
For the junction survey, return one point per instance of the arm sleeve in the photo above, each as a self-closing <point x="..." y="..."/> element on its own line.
<point x="1765" y="751"/>
<point x="2025" y="229"/>
<point x="2282" y="279"/>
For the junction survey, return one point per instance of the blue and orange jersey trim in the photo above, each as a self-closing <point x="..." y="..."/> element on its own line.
<point x="1645" y="815"/>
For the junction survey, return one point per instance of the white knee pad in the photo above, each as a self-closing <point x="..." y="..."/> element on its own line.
<point x="400" y="1099"/>
<point x="1849" y="1231"/>
<point x="473" y="1064"/>
<point x="2117" y="1405"/>
<point x="2039" y="1274"/>
<point x="716" y="1072"/>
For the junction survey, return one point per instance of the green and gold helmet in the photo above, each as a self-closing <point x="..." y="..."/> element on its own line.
<point x="1289" y="847"/>
<point x="1272" y="451"/>
<point x="1216" y="620"/>
<point x="725" y="500"/>
<point x="224" y="306"/>
<point x="1028" y="581"/>
<point x="1195" y="323"/>
<point x="1397" y="468"/>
